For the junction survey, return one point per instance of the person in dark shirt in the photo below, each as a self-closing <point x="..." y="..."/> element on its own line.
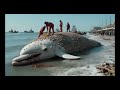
<point x="68" y="27"/>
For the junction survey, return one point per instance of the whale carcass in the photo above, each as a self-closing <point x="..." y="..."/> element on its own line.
<point x="61" y="44"/>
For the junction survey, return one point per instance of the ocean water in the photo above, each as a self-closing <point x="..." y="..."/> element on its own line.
<point x="15" y="41"/>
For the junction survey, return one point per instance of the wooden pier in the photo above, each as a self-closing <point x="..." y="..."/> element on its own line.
<point x="108" y="30"/>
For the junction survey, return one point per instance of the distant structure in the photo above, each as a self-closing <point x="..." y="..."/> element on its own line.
<point x="97" y="28"/>
<point x="74" y="29"/>
<point x="106" y="30"/>
<point x="31" y="31"/>
<point x="11" y="31"/>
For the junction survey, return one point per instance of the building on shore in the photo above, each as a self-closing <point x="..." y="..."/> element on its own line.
<point x="107" y="30"/>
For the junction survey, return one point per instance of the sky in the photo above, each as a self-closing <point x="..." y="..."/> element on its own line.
<point x="83" y="22"/>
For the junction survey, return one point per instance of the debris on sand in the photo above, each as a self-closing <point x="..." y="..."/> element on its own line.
<point x="108" y="69"/>
<point x="42" y="65"/>
<point x="106" y="38"/>
<point x="113" y="44"/>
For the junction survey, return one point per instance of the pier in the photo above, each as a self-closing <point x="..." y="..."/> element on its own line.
<point x="108" y="31"/>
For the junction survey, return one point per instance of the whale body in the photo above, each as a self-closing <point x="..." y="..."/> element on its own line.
<point x="61" y="44"/>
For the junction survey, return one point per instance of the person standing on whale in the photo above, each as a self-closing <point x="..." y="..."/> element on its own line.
<point x="49" y="25"/>
<point x="61" y="25"/>
<point x="68" y="27"/>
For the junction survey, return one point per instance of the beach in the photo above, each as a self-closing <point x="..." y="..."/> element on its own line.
<point x="96" y="57"/>
<point x="86" y="66"/>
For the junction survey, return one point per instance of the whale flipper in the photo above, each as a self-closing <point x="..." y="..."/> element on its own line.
<point x="67" y="56"/>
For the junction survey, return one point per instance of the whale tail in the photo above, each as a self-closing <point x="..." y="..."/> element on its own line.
<point x="67" y="56"/>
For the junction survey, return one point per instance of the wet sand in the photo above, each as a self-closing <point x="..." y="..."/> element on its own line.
<point x="86" y="66"/>
<point x="106" y="55"/>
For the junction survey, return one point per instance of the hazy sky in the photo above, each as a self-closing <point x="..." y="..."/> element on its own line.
<point x="83" y="22"/>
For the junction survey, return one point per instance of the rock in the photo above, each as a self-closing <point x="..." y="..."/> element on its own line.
<point x="71" y="66"/>
<point x="88" y="66"/>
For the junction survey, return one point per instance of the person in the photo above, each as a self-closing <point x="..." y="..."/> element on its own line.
<point x="68" y="27"/>
<point x="49" y="25"/>
<point x="61" y="25"/>
<point x="41" y="31"/>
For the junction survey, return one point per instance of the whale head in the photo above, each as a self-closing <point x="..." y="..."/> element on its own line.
<point x="35" y="51"/>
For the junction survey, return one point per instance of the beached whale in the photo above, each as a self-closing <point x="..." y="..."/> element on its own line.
<point x="61" y="44"/>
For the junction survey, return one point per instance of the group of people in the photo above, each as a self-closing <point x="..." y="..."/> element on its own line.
<point x="50" y="25"/>
<point x="61" y="26"/>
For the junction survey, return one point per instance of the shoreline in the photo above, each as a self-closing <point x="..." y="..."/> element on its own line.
<point x="83" y="67"/>
<point x="105" y="68"/>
